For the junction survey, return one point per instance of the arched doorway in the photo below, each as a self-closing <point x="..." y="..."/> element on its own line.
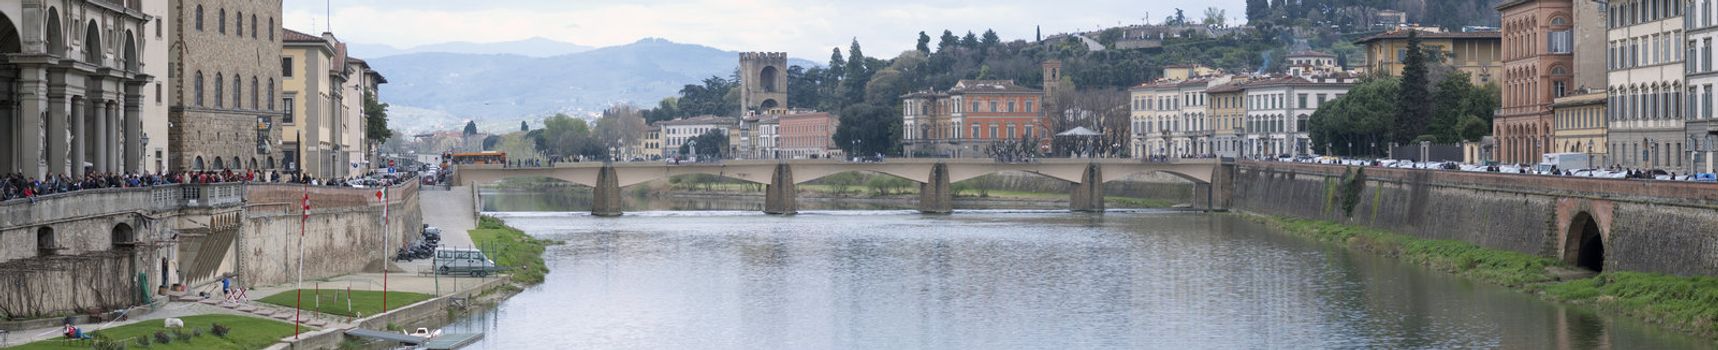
<point x="767" y="78"/>
<point x="55" y="37"/>
<point x="1584" y="246"/>
<point x="123" y="236"/>
<point x="768" y="104"/>
<point x="92" y="44"/>
<point x="45" y="242"/>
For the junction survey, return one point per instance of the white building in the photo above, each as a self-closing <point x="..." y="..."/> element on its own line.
<point x="677" y="132"/>
<point x="1646" y="89"/>
<point x="1702" y="123"/>
<point x="1279" y="110"/>
<point x="155" y="124"/>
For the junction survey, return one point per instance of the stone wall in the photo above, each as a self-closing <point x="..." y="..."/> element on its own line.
<point x="1650" y="226"/>
<point x="343" y="222"/>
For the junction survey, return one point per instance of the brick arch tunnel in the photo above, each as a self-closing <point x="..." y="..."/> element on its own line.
<point x="1585" y="244"/>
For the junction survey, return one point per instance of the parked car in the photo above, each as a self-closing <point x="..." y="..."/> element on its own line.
<point x="463" y="261"/>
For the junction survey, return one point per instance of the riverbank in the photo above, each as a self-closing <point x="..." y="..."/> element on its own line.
<point x="509" y="247"/>
<point x="1686" y="304"/>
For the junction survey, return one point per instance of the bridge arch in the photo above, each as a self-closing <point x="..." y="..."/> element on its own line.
<point x="1584" y="243"/>
<point x="1123" y="173"/>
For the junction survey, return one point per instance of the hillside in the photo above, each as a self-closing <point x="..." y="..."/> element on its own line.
<point x="498" y="89"/>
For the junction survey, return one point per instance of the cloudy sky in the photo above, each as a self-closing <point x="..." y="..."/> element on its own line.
<point x="804" y="28"/>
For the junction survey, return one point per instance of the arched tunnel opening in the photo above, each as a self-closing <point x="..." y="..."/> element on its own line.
<point x="1587" y="242"/>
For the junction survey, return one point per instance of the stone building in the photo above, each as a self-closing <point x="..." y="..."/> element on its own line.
<point x="73" y="72"/>
<point x="1702" y="125"/>
<point x="1538" y="52"/>
<point x="224" y="79"/>
<point x="678" y="132"/>
<point x="763" y="81"/>
<point x="155" y="64"/>
<point x="1646" y="122"/>
<point x="1227" y="113"/>
<point x="1477" y="53"/>
<point x="1279" y="110"/>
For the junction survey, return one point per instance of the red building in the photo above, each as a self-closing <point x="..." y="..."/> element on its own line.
<point x="807" y="135"/>
<point x="969" y="117"/>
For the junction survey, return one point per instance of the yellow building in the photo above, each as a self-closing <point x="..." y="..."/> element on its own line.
<point x="1179" y="72"/>
<point x="650" y="146"/>
<point x="1477" y="53"/>
<point x="312" y="72"/>
<point x="1579" y="126"/>
<point x="1228" y="109"/>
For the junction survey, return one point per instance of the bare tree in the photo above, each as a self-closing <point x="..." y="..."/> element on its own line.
<point x="1103" y="111"/>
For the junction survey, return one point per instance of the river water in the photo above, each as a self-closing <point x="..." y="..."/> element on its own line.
<point x="1002" y="279"/>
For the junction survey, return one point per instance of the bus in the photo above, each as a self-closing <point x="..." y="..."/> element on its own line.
<point x="478" y="158"/>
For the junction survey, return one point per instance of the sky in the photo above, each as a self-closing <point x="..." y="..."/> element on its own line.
<point x="804" y="28"/>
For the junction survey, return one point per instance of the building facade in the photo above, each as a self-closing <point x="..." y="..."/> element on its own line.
<point x="1477" y="53"/>
<point x="1228" y="110"/>
<point x="1579" y="127"/>
<point x="155" y="45"/>
<point x="679" y="132"/>
<point x="1156" y="110"/>
<point x="362" y="83"/>
<point x="1538" y="52"/>
<point x="75" y="72"/>
<point x="313" y="75"/>
<point x="763" y="81"/>
<point x="971" y="116"/>
<point x="807" y="135"/>
<point x="226" y="86"/>
<point x="1701" y="128"/>
<point x="1279" y="111"/>
<point x="1647" y="111"/>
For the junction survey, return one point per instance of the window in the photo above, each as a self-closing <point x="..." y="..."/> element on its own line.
<point x="1302" y="98"/>
<point x="199" y="18"/>
<point x="197" y="89"/>
<point x="219" y="98"/>
<point x="1559" y="88"/>
<point x="239" y="23"/>
<point x="271" y="29"/>
<point x="993" y="106"/>
<point x="253" y="26"/>
<point x="270" y="94"/>
<point x="974" y="106"/>
<point x="158" y="93"/>
<point x="255" y="93"/>
<point x="286" y="67"/>
<point x="1010" y="106"/>
<point x="1561" y="42"/>
<point x="158" y="27"/>
<point x="238" y="92"/>
<point x="223" y="22"/>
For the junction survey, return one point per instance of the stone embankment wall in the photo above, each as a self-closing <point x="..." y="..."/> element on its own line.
<point x="343" y="234"/>
<point x="1648" y="226"/>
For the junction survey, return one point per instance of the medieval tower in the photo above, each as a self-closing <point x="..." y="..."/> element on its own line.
<point x="763" y="81"/>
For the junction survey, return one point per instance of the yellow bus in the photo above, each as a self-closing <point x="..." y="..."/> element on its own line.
<point x="479" y="158"/>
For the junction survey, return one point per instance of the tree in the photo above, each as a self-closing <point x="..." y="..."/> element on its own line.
<point x="1449" y="105"/>
<point x="1359" y="122"/>
<point x="1413" y="104"/>
<point x="376" y="119"/>
<point x="470" y="128"/>
<point x="802" y="86"/>
<point x="1215" y="16"/>
<point x="924" y="43"/>
<point x="867" y="129"/>
<point x="1472" y="129"/>
<point x="1257" y="11"/>
<point x="713" y="143"/>
<point x="1179" y="19"/>
<point x="970" y="41"/>
<point x="490" y="142"/>
<point x="523" y="126"/>
<point x="856" y="76"/>
<point x="947" y="41"/>
<point x="620" y="126"/>
<point x="989" y="41"/>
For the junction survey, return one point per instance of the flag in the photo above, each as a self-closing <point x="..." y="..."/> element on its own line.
<point x="306" y="203"/>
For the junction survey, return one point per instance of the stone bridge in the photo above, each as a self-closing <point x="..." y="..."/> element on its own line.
<point x="1086" y="177"/>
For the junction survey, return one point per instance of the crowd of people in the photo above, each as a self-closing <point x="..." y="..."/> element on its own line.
<point x="16" y="186"/>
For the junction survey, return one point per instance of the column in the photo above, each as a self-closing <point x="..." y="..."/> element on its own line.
<point x="780" y="196"/>
<point x="936" y="196"/>
<point x="33" y="103"/>
<point x="8" y="131"/>
<point x="1088" y="194"/>
<point x="58" y="107"/>
<point x="134" y="127"/>
<point x="112" y="140"/>
<point x="80" y="139"/>
<point x="97" y="131"/>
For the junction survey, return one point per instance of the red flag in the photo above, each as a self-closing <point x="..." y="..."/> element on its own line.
<point x="306" y="203"/>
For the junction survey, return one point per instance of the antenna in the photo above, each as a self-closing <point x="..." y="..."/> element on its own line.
<point x="328" y="12"/>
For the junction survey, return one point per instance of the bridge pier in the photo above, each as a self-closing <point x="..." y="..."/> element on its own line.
<point x="936" y="196"/>
<point x="1088" y="194"/>
<point x="781" y="197"/>
<point x="605" y="200"/>
<point x="1215" y="195"/>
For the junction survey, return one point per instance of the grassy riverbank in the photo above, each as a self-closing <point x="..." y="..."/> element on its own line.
<point x="336" y="302"/>
<point x="512" y="248"/>
<point x="1688" y="304"/>
<point x="243" y="332"/>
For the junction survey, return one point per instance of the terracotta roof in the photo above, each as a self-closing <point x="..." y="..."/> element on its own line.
<point x="1403" y="34"/>
<point x="1236" y="86"/>
<point x="699" y="120"/>
<point x="1310" y="53"/>
<point x="293" y="36"/>
<point x="991" y="86"/>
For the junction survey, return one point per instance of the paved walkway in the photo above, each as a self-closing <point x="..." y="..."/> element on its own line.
<point x="449" y="210"/>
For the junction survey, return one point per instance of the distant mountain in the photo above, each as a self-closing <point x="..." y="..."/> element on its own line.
<point x="436" y="89"/>
<point x="533" y="47"/>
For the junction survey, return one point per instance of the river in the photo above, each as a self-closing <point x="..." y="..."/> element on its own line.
<point x="1002" y="279"/>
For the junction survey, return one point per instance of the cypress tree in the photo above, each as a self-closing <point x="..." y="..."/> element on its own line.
<point x="1413" y="105"/>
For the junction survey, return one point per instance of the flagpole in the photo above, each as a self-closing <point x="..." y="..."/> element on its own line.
<point x="302" y="221"/>
<point x="385" y="239"/>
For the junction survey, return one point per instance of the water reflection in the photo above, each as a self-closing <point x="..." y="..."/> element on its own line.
<point x="1011" y="281"/>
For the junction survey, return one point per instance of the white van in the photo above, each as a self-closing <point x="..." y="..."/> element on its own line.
<point x="462" y="261"/>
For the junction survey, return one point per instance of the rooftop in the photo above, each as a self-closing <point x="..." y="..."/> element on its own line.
<point x="699" y="120"/>
<point x="1403" y="34"/>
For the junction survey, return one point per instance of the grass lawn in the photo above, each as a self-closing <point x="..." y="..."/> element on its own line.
<point x="512" y="248"/>
<point x="247" y="333"/>
<point x="364" y="302"/>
